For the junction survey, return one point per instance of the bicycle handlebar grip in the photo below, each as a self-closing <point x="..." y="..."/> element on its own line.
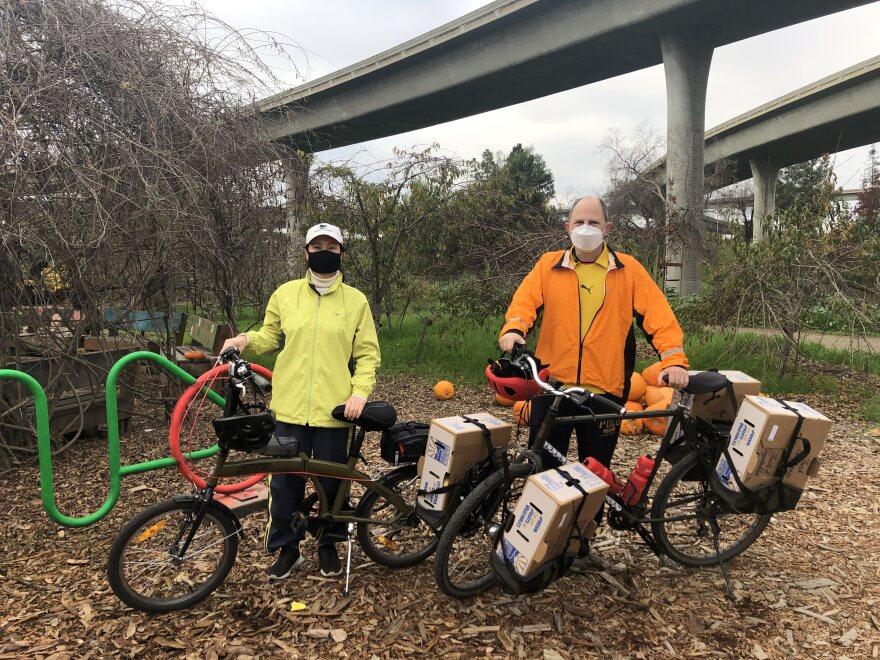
<point x="600" y="404"/>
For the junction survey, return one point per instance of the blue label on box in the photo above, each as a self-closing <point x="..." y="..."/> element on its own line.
<point x="509" y="551"/>
<point x="441" y="452"/>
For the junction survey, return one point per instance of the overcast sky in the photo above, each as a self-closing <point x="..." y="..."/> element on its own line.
<point x="565" y="128"/>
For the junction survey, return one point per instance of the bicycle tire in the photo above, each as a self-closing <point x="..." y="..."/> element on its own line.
<point x="473" y="524"/>
<point x="685" y="491"/>
<point x="159" y="525"/>
<point x="179" y="414"/>
<point x="382" y="545"/>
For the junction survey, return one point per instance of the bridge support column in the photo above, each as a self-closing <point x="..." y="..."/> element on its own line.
<point x="765" y="173"/>
<point x="686" y="61"/>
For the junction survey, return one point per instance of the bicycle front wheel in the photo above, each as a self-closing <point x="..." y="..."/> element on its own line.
<point x="688" y="518"/>
<point x="146" y="570"/>
<point x="393" y="539"/>
<point x="462" y="566"/>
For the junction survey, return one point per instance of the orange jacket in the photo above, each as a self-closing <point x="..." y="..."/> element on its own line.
<point x="607" y="356"/>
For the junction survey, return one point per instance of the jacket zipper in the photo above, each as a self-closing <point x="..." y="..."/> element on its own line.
<point x="595" y="316"/>
<point x="312" y="366"/>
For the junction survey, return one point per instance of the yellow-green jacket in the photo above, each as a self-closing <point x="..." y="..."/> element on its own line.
<point x="321" y="335"/>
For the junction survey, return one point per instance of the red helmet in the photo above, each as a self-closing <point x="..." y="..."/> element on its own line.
<point x="509" y="381"/>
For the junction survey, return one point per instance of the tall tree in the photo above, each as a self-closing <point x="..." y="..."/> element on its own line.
<point x="868" y="205"/>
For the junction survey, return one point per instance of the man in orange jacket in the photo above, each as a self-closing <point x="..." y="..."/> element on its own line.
<point x="590" y="296"/>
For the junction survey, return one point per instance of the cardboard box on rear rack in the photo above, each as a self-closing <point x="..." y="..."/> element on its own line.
<point x="454" y="445"/>
<point x="544" y="517"/>
<point x="761" y="432"/>
<point x="717" y="406"/>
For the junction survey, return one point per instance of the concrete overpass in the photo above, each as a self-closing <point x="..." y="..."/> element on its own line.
<point x="839" y="112"/>
<point x="512" y="51"/>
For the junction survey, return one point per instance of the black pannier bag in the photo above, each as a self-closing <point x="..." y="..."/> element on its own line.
<point x="404" y="442"/>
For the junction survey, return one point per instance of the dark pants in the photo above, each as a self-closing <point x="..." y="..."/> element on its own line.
<point x="287" y="491"/>
<point x="596" y="440"/>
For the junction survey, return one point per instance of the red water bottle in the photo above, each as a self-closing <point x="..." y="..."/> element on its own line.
<point x="604" y="473"/>
<point x="635" y="486"/>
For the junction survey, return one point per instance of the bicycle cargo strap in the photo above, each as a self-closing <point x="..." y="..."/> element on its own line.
<point x="575" y="526"/>
<point x="487" y="438"/>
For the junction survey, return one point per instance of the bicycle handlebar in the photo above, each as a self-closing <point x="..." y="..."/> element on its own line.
<point x="525" y="360"/>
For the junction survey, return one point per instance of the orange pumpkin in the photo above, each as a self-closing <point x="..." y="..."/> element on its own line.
<point x="444" y="390"/>
<point x="656" y="395"/>
<point x="652" y="373"/>
<point x="521" y="411"/>
<point x="637" y="387"/>
<point x="501" y="401"/>
<point x="634" y="406"/>
<point x="631" y="426"/>
<point x="656" y="425"/>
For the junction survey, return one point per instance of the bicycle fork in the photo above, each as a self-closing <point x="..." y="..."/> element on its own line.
<point x="191" y="525"/>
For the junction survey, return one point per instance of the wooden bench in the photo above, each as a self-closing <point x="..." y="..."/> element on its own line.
<point x="206" y="337"/>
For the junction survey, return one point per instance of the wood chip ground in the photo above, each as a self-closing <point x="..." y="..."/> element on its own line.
<point x="810" y="587"/>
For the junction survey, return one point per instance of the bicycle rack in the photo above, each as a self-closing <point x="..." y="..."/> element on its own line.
<point x="117" y="471"/>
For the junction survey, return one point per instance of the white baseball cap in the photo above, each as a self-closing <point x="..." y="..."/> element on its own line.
<point x="324" y="229"/>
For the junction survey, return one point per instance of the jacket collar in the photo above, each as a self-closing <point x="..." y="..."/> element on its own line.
<point x="566" y="260"/>
<point x="333" y="287"/>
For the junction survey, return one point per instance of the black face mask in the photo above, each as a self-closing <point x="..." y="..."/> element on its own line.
<point x="324" y="262"/>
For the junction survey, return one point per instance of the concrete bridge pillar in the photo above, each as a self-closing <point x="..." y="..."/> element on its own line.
<point x="686" y="61"/>
<point x="765" y="174"/>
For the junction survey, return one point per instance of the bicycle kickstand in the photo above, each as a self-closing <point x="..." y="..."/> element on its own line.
<point x="715" y="530"/>
<point x="348" y="559"/>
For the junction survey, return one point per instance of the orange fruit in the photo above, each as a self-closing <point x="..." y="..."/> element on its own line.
<point x="652" y="373"/>
<point x="656" y="425"/>
<point x="656" y="395"/>
<point x="501" y="401"/>
<point x="444" y="390"/>
<point x="521" y="410"/>
<point x="637" y="387"/>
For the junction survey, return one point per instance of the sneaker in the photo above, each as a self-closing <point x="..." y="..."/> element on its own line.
<point x="328" y="560"/>
<point x="288" y="560"/>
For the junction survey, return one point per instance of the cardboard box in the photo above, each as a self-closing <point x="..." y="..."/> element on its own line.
<point x="716" y="406"/>
<point x="760" y="434"/>
<point x="454" y="445"/>
<point x="544" y="516"/>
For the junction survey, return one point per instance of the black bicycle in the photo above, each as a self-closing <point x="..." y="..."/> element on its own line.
<point x="684" y="520"/>
<point x="174" y="554"/>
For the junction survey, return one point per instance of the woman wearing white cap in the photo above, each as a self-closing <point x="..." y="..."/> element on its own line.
<point x="326" y="325"/>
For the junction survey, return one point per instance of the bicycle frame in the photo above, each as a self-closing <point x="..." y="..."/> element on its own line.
<point x="312" y="469"/>
<point x="632" y="515"/>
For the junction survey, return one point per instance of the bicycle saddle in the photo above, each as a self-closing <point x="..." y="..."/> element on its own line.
<point x="377" y="416"/>
<point x="705" y="382"/>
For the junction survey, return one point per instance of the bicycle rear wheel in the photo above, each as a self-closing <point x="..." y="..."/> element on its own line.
<point x="686" y="513"/>
<point x="462" y="565"/>
<point x="395" y="540"/>
<point x="146" y="570"/>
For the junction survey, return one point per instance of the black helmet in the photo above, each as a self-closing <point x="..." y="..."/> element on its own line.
<point x="245" y="432"/>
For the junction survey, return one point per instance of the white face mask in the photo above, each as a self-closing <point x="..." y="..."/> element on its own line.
<point x="587" y="237"/>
